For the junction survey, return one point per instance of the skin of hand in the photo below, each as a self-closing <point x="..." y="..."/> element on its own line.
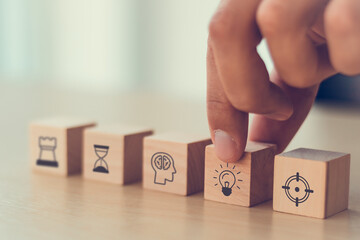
<point x="308" y="41"/>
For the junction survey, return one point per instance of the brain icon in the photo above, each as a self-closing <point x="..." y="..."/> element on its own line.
<point x="162" y="161"/>
<point x="164" y="166"/>
<point x="158" y="162"/>
<point x="166" y="162"/>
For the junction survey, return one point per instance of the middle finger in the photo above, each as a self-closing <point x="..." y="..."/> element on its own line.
<point x="286" y="25"/>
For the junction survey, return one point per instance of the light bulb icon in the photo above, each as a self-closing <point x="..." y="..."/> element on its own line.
<point x="228" y="179"/>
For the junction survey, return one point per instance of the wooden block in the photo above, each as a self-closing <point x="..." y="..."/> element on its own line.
<point x="114" y="153"/>
<point x="174" y="163"/>
<point x="311" y="182"/>
<point x="56" y="145"/>
<point x="247" y="182"/>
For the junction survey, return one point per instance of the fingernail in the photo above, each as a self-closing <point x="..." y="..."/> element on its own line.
<point x="225" y="146"/>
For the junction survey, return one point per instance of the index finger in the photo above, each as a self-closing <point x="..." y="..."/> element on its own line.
<point x="228" y="126"/>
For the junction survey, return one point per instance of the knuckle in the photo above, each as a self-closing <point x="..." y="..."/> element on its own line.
<point x="220" y="26"/>
<point x="300" y="80"/>
<point x="217" y="110"/>
<point x="240" y="100"/>
<point x="270" y="16"/>
<point x="346" y="63"/>
<point x="217" y="104"/>
<point x="301" y="84"/>
<point x="342" y="18"/>
<point x="246" y="101"/>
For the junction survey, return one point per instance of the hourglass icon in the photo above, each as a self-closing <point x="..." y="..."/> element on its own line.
<point x="100" y="164"/>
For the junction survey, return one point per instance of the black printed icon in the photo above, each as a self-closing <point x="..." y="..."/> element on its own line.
<point x="297" y="189"/>
<point x="47" y="156"/>
<point x="100" y="164"/>
<point x="227" y="178"/>
<point x="164" y="167"/>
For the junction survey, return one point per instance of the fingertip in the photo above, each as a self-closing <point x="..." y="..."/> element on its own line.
<point x="226" y="148"/>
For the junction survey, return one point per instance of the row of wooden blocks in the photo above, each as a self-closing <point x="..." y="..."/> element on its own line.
<point x="303" y="181"/>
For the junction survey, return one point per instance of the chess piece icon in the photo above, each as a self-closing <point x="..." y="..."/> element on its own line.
<point x="164" y="167"/>
<point x="47" y="156"/>
<point x="100" y="164"/>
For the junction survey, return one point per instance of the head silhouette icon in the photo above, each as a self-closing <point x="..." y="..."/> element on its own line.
<point x="164" y="167"/>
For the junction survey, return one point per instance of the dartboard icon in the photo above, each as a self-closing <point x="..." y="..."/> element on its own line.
<point x="297" y="189"/>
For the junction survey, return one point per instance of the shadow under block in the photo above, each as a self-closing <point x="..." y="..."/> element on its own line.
<point x="311" y="182"/>
<point x="174" y="163"/>
<point x="114" y="153"/>
<point x="56" y="145"/>
<point x="247" y="182"/>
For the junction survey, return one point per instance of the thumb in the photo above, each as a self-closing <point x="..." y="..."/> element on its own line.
<point x="228" y="126"/>
<point x="281" y="132"/>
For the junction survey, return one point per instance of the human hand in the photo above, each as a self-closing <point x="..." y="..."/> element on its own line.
<point x="308" y="40"/>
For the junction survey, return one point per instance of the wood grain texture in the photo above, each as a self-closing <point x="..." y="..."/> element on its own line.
<point x="123" y="160"/>
<point x="133" y="156"/>
<point x="75" y="142"/>
<point x="174" y="163"/>
<point x="315" y="187"/>
<point x="337" y="188"/>
<point x="252" y="176"/>
<point x="196" y="166"/>
<point x="64" y="136"/>
<point x="262" y="175"/>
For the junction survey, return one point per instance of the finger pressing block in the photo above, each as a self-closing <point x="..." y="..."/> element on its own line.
<point x="113" y="153"/>
<point x="56" y="145"/>
<point x="312" y="183"/>
<point x="246" y="182"/>
<point x="174" y="163"/>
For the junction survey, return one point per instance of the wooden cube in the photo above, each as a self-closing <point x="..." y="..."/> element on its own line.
<point x="246" y="182"/>
<point x="174" y="163"/>
<point x="311" y="182"/>
<point x="114" y="153"/>
<point x="55" y="145"/>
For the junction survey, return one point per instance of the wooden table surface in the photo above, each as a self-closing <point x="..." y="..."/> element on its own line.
<point x="45" y="207"/>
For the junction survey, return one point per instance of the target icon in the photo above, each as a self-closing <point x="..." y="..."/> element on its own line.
<point x="297" y="189"/>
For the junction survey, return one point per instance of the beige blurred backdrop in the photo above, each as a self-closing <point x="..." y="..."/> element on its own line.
<point x="108" y="46"/>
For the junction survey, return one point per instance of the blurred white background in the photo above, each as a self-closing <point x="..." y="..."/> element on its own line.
<point x="107" y="46"/>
